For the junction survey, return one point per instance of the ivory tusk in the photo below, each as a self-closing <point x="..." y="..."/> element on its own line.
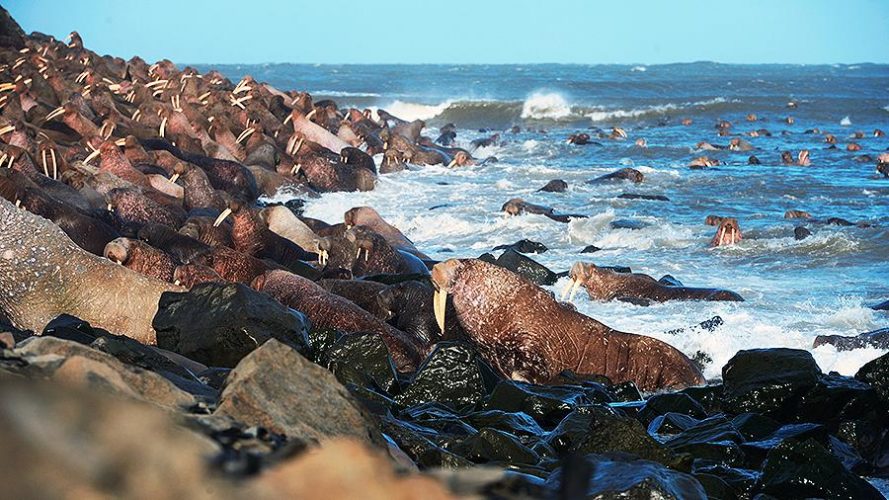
<point x="120" y="142"/>
<point x="295" y="169"/>
<point x="91" y="156"/>
<point x="54" y="113"/>
<point x="55" y="167"/>
<point x="163" y="126"/>
<point x="439" y="301"/>
<point x="43" y="159"/>
<point x="225" y="213"/>
<point x="453" y="162"/>
<point x="567" y="290"/>
<point x="174" y="178"/>
<point x="574" y="288"/>
<point x="245" y="134"/>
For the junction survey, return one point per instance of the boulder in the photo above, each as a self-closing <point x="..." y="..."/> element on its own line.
<point x="768" y="381"/>
<point x="218" y="324"/>
<point x="878" y="339"/>
<point x="622" y="477"/>
<point x="805" y="469"/>
<point x="277" y="388"/>
<point x="526" y="268"/>
<point x="453" y="375"/>
<point x="524" y="246"/>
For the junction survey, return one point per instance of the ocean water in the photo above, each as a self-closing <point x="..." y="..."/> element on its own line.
<point x="794" y="290"/>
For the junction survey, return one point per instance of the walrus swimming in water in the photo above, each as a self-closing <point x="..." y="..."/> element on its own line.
<point x="518" y="206"/>
<point x="605" y="284"/>
<point x="727" y="233"/>
<point x="524" y="333"/>
<point x="44" y="274"/>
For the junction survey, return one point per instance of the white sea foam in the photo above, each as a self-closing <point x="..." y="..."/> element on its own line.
<point x="540" y="106"/>
<point x="639" y="69"/>
<point x="603" y="114"/>
<point x="343" y="93"/>
<point x="414" y="111"/>
<point x="845" y="121"/>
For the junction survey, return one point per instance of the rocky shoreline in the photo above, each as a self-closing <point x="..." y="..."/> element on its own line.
<point x="245" y="384"/>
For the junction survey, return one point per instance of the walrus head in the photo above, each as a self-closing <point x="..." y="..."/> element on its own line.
<point x="797" y="214"/>
<point x="444" y="275"/>
<point x="728" y="232"/>
<point x="119" y="250"/>
<point x="515" y="206"/>
<point x="713" y="220"/>
<point x="189" y="275"/>
<point x="361" y="216"/>
<point x="461" y="158"/>
<point x="786" y="158"/>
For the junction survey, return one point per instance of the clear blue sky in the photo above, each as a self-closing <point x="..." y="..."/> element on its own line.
<point x="476" y="31"/>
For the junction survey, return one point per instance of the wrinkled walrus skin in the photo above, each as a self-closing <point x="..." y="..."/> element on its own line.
<point x="44" y="274"/>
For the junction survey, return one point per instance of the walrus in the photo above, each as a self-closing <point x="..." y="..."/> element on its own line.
<point x="283" y="222"/>
<point x="370" y="218"/>
<point x="523" y="332"/>
<point x="624" y="174"/>
<point x="409" y="307"/>
<point x="44" y="274"/>
<point x="142" y="258"/>
<point x="518" y="206"/>
<point x="327" y="310"/>
<point x="727" y="233"/>
<point x="555" y="186"/>
<point x="605" y="284"/>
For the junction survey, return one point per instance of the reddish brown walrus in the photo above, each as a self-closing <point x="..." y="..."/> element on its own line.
<point x="44" y="274"/>
<point x="523" y="332"/>
<point x="327" y="310"/>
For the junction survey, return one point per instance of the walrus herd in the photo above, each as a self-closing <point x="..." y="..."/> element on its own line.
<point x="122" y="180"/>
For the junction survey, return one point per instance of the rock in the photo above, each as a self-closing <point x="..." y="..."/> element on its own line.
<point x="82" y="366"/>
<point x="709" y="396"/>
<point x="492" y="445"/>
<point x="876" y="373"/>
<point x="590" y="249"/>
<point x="361" y="359"/>
<point x="218" y="324"/>
<point x="661" y="404"/>
<point x="768" y="381"/>
<point x="517" y="423"/>
<point x="882" y="306"/>
<point x="628" y="224"/>
<point x="801" y="233"/>
<point x="878" y="339"/>
<point x="419" y="448"/>
<point x="526" y="268"/>
<point x="622" y="477"/>
<point x="708" y="325"/>
<point x="805" y="469"/>
<point x="277" y="388"/>
<point x="344" y="468"/>
<point x="836" y="398"/>
<point x="524" y="246"/>
<point x="547" y="405"/>
<point x="65" y="442"/>
<point x="714" y="440"/>
<point x="600" y="430"/>
<point x="649" y="197"/>
<point x="555" y="186"/>
<point x="453" y="375"/>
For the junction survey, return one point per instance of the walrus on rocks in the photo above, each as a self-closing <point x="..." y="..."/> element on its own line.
<point x="44" y="274"/>
<point x="526" y="334"/>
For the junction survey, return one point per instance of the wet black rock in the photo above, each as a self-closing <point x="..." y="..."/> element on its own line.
<point x="649" y="197"/>
<point x="614" y="476"/>
<point x="596" y="429"/>
<point x="709" y="396"/>
<point x="805" y="469"/>
<point x="526" y="268"/>
<point x="708" y="325"/>
<point x="218" y="324"/>
<point x="419" y="448"/>
<point x="524" y="246"/>
<point x="882" y="306"/>
<point x="713" y="440"/>
<point x="363" y="360"/>
<point x="555" y="186"/>
<point x="548" y="405"/>
<point x="492" y="445"/>
<point x="590" y="249"/>
<point x="666" y="403"/>
<point x="517" y="423"/>
<point x="453" y="374"/>
<point x="768" y="381"/>
<point x="801" y="233"/>
<point x="878" y="339"/>
<point x="876" y="373"/>
<point x="836" y="398"/>
<point x="628" y="224"/>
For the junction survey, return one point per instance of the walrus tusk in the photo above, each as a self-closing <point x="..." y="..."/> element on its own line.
<point x="453" y="162"/>
<point x="289" y="117"/>
<point x="366" y="254"/>
<point x="55" y="168"/>
<point x="55" y="113"/>
<point x="311" y="114"/>
<point x="245" y="134"/>
<point x="174" y="178"/>
<point x="439" y="301"/>
<point x="295" y="169"/>
<point x="721" y="237"/>
<point x="567" y="290"/>
<point x="7" y="129"/>
<point x="163" y="126"/>
<point x="120" y="142"/>
<point x="322" y="257"/>
<point x="43" y="158"/>
<point x="110" y="207"/>
<point x="574" y="288"/>
<point x="91" y="156"/>
<point x="225" y="213"/>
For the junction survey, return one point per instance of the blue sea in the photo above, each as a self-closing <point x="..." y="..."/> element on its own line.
<point x="794" y="290"/>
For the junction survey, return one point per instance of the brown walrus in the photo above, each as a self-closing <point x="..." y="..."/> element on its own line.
<point x="606" y="284"/>
<point x="44" y="274"/>
<point x="367" y="216"/>
<point x="518" y="206"/>
<point x="524" y="333"/>
<point x="727" y="233"/>
<point x="327" y="310"/>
